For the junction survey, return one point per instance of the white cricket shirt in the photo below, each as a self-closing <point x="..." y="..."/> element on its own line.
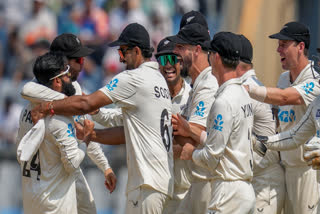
<point x="144" y="98"/>
<point x="198" y="106"/>
<point x="289" y="115"/>
<point x="48" y="180"/>
<point x="227" y="152"/>
<point x="263" y="125"/>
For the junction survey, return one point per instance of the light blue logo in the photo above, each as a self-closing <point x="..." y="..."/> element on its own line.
<point x="218" y="123"/>
<point x="318" y="133"/>
<point x="287" y="116"/>
<point x="200" y="109"/>
<point x="70" y="130"/>
<point x="112" y="84"/>
<point x="308" y="87"/>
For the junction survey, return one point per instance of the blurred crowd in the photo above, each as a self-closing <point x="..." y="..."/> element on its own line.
<point x="27" y="28"/>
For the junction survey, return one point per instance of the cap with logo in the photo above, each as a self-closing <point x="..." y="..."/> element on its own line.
<point x="134" y="34"/>
<point x="193" y="17"/>
<point x="70" y="45"/>
<point x="295" y="31"/>
<point x="246" y="52"/>
<point x="164" y="47"/>
<point x="227" y="44"/>
<point x="192" y="34"/>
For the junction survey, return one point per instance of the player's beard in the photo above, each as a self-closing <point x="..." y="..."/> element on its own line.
<point x="187" y="62"/>
<point x="67" y="88"/>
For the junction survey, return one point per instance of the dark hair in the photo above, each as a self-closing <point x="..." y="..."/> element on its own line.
<point x="229" y="63"/>
<point x="48" y="66"/>
<point x="147" y="53"/>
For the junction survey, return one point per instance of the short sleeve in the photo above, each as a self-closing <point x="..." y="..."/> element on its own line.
<point x="308" y="90"/>
<point x="200" y="106"/>
<point x="122" y="88"/>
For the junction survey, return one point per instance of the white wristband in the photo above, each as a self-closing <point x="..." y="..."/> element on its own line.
<point x="257" y="92"/>
<point x="203" y="137"/>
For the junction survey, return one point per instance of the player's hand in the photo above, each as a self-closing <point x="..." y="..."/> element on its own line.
<point x="84" y="132"/>
<point x="312" y="154"/>
<point x="39" y="112"/>
<point x="177" y="148"/>
<point x="111" y="180"/>
<point x="246" y="87"/>
<point x="187" y="150"/>
<point x="180" y="126"/>
<point x="258" y="144"/>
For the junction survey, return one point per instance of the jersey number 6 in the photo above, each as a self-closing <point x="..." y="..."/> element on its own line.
<point x="165" y="134"/>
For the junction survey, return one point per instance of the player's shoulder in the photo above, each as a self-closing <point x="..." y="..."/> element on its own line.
<point x="58" y="122"/>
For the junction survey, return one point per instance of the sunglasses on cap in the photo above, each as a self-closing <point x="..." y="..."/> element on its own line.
<point x="122" y="52"/>
<point x="66" y="72"/>
<point x="164" y="59"/>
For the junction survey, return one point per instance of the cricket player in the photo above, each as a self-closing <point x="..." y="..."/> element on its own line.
<point x="298" y="88"/>
<point x="48" y="179"/>
<point x="305" y="129"/>
<point x="170" y="67"/>
<point x="268" y="175"/>
<point x="72" y="48"/>
<point x="143" y="95"/>
<point x="227" y="150"/>
<point x="190" y="45"/>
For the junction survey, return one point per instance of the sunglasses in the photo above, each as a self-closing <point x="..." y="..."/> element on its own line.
<point x="122" y="52"/>
<point x="164" y="59"/>
<point x="66" y="72"/>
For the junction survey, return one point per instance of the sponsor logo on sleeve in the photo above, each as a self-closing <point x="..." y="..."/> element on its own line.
<point x="287" y="116"/>
<point x="318" y="113"/>
<point x="308" y="87"/>
<point x="70" y="130"/>
<point x="112" y="84"/>
<point x="218" y="122"/>
<point x="200" y="109"/>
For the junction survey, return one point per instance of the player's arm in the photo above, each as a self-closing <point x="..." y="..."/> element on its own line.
<point x="63" y="133"/>
<point x="217" y="139"/>
<point x="108" y="117"/>
<point x="296" y="136"/>
<point x="74" y="105"/>
<point x="36" y="92"/>
<point x="275" y="96"/>
<point x="109" y="136"/>
<point x="181" y="127"/>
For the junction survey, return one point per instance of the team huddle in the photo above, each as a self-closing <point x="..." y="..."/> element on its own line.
<point x="199" y="127"/>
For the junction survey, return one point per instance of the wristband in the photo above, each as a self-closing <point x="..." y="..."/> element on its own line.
<point x="50" y="108"/>
<point x="203" y="137"/>
<point x="257" y="92"/>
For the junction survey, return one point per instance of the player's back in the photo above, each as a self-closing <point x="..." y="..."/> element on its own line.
<point x="48" y="179"/>
<point x="144" y="97"/>
<point x="236" y="163"/>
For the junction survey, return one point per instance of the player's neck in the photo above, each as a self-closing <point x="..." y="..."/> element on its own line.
<point x="175" y="88"/>
<point x="294" y="72"/>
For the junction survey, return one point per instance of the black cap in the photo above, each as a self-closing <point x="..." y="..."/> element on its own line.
<point x="294" y="31"/>
<point x="192" y="34"/>
<point x="193" y="17"/>
<point x="227" y="44"/>
<point x="246" y="52"/>
<point x="70" y="45"/>
<point x="134" y="34"/>
<point x="164" y="47"/>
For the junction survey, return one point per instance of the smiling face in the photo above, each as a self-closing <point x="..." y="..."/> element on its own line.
<point x="289" y="53"/>
<point x="171" y="72"/>
<point x="185" y="51"/>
